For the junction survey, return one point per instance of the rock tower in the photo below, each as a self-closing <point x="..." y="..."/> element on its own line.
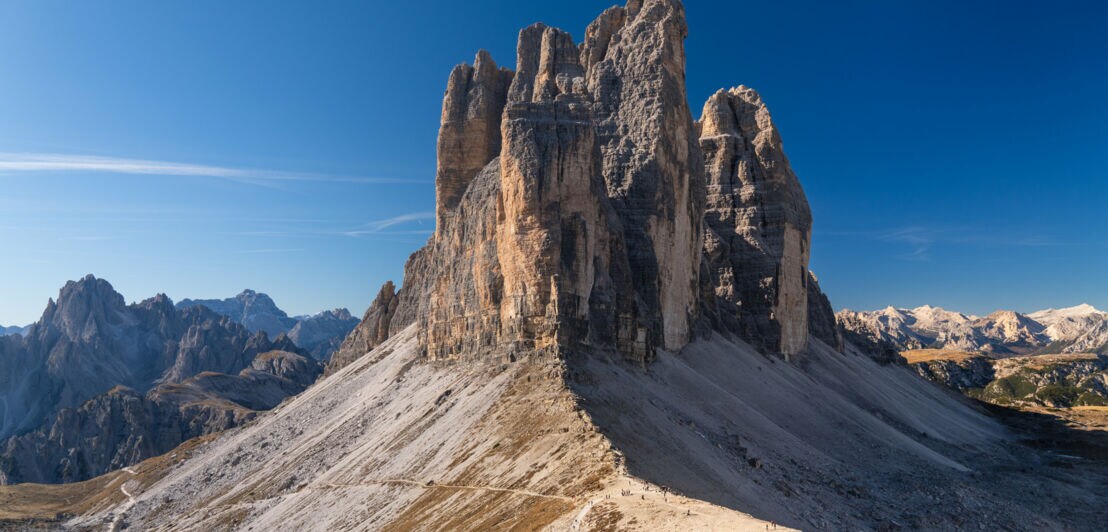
<point x="580" y="208"/>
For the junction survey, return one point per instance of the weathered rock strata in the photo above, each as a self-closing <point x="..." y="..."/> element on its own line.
<point x="758" y="223"/>
<point x="580" y="222"/>
<point x="469" y="136"/>
<point x="372" y="331"/>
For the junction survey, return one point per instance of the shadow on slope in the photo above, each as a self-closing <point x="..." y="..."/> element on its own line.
<point x="838" y="442"/>
<point x="1069" y="446"/>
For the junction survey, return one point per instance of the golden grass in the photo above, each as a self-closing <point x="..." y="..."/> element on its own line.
<point x="55" y="501"/>
<point x="915" y="356"/>
<point x="536" y="416"/>
<point x="51" y="501"/>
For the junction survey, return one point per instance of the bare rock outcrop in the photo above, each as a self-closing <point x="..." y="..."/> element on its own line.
<point x="580" y="221"/>
<point x="651" y="162"/>
<point x="323" y="333"/>
<point x="821" y="317"/>
<point x="469" y="135"/>
<point x="254" y="310"/>
<point x="758" y="225"/>
<point x="372" y="331"/>
<point x="123" y="427"/>
<point x="586" y="231"/>
<point x="98" y="384"/>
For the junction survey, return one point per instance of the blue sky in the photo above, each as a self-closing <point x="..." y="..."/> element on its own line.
<point x="954" y="153"/>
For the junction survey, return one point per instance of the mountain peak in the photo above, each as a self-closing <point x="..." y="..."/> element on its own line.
<point x="1053" y="315"/>
<point x="254" y="310"/>
<point x="83" y="306"/>
<point x="1081" y="309"/>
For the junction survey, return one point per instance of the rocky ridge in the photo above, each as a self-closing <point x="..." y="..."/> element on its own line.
<point x="1053" y="381"/>
<point x="1080" y="329"/>
<point x="6" y="331"/>
<point x="323" y="333"/>
<point x="94" y="366"/>
<point x="255" y="311"/>
<point x="320" y="334"/>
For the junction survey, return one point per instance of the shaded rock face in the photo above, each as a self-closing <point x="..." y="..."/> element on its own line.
<point x="372" y="331"/>
<point x="758" y="225"/>
<point x="584" y="230"/>
<point x="53" y="382"/>
<point x="821" y="317"/>
<point x="320" y="334"/>
<point x="580" y="225"/>
<point x="323" y="333"/>
<point x="255" y="311"/>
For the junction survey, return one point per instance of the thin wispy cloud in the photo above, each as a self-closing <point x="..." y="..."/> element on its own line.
<point x="12" y="164"/>
<point x="379" y="226"/>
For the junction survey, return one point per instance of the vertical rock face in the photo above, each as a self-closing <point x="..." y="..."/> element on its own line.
<point x="551" y="231"/>
<point x="578" y="221"/>
<point x="587" y="232"/>
<point x="469" y="136"/>
<point x="371" y="332"/>
<point x="651" y="163"/>
<point x="757" y="224"/>
<point x="458" y="279"/>
<point x="821" y="317"/>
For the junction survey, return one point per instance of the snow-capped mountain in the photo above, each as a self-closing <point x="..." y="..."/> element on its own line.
<point x="1077" y="329"/>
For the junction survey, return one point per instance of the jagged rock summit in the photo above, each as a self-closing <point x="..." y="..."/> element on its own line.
<point x="576" y="210"/>
<point x="1078" y="329"/>
<point x="255" y="311"/>
<point x="98" y="384"/>
<point x="320" y="334"/>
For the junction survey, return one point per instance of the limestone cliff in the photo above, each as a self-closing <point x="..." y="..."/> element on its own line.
<point x="469" y="135"/>
<point x="598" y="216"/>
<point x="757" y="223"/>
<point x="583" y="230"/>
<point x="371" y="332"/>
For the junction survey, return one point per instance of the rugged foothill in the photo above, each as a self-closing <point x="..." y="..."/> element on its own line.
<point x="98" y="384"/>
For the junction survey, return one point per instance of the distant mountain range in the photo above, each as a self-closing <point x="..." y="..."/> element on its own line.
<point x="97" y="384"/>
<point x="6" y="331"/>
<point x="1079" y="329"/>
<point x="320" y="334"/>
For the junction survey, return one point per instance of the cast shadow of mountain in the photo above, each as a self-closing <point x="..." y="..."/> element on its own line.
<point x="839" y="442"/>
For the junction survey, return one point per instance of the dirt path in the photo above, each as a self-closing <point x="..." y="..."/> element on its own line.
<point x="425" y="485"/>
<point x="656" y="509"/>
<point x="122" y="510"/>
<point x="579" y="519"/>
